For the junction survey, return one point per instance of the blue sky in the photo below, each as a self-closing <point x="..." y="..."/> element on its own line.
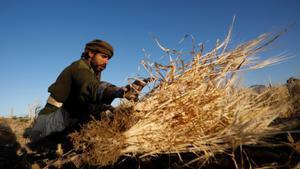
<point x="39" y="38"/>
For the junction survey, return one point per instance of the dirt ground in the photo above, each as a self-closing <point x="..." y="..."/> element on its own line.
<point x="285" y="156"/>
<point x="18" y="125"/>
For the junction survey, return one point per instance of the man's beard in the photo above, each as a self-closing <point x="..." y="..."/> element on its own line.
<point x="98" y="68"/>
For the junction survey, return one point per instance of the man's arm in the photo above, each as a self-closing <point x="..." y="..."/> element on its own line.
<point x="93" y="91"/>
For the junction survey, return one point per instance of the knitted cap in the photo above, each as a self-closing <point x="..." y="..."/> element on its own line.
<point x="100" y="46"/>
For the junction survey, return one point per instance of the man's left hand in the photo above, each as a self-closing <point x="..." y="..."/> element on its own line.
<point x="133" y="90"/>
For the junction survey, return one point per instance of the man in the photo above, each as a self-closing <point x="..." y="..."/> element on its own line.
<point x="78" y="92"/>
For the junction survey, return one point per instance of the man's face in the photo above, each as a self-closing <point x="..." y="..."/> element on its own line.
<point x="99" y="61"/>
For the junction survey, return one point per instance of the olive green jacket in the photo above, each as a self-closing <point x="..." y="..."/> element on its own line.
<point x="76" y="87"/>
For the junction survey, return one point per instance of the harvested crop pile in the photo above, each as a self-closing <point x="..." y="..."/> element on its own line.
<point x="196" y="105"/>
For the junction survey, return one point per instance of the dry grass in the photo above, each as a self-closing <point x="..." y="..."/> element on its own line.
<point x="196" y="106"/>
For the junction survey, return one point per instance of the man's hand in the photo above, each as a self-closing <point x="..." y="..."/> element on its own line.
<point x="97" y="110"/>
<point x="133" y="90"/>
<point x="108" y="115"/>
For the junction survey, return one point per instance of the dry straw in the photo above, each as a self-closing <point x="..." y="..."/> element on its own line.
<point x="195" y="106"/>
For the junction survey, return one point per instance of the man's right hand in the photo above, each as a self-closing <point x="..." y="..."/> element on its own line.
<point x="97" y="110"/>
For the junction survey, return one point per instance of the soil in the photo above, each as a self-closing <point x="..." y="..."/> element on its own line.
<point x="285" y="153"/>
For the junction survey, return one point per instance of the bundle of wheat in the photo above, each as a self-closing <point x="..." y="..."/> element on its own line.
<point x="196" y="106"/>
